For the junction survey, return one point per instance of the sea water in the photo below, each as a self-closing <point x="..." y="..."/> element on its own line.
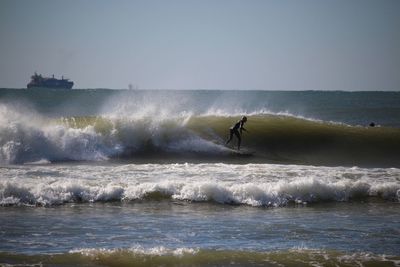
<point x="143" y="178"/>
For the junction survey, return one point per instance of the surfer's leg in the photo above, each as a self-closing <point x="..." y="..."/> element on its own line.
<point x="230" y="136"/>
<point x="239" y="139"/>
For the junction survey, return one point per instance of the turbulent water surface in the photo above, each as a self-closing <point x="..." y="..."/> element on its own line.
<point x="144" y="178"/>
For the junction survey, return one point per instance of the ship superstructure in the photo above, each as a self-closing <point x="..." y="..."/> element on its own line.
<point x="38" y="81"/>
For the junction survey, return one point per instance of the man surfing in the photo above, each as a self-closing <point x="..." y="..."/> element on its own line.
<point x="237" y="130"/>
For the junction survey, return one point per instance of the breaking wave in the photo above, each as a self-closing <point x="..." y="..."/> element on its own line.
<point x="28" y="137"/>
<point x="223" y="188"/>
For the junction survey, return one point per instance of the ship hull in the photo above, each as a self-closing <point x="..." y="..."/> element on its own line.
<point x="64" y="86"/>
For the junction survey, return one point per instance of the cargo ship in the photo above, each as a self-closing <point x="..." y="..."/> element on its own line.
<point x="38" y="81"/>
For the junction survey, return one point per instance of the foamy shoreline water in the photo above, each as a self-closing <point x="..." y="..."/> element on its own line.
<point x="198" y="214"/>
<point x="165" y="229"/>
<point x="158" y="256"/>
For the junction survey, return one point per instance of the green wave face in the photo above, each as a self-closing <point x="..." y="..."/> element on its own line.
<point x="298" y="140"/>
<point x="270" y="138"/>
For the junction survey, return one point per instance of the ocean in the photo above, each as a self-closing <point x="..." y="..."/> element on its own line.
<point x="100" y="177"/>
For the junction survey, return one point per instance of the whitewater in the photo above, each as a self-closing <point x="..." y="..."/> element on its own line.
<point x="256" y="185"/>
<point x="144" y="178"/>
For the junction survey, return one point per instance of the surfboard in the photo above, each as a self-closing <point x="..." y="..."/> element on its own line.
<point x="242" y="152"/>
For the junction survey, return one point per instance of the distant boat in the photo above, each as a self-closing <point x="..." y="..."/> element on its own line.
<point x="38" y="81"/>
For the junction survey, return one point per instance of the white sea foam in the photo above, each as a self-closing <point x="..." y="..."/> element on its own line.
<point x="252" y="184"/>
<point x="152" y="251"/>
<point x="314" y="257"/>
<point x="27" y="137"/>
<point x="263" y="111"/>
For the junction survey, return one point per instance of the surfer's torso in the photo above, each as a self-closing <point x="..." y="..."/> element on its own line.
<point x="237" y="126"/>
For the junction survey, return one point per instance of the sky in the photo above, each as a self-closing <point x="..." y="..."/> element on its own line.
<point x="203" y="44"/>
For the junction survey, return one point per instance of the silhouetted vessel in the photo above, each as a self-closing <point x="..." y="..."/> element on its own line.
<point x="38" y="81"/>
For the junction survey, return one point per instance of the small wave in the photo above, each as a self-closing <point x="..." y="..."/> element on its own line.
<point x="160" y="256"/>
<point x="39" y="162"/>
<point x="137" y="250"/>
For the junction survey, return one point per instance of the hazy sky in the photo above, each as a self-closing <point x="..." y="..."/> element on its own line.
<point x="216" y="44"/>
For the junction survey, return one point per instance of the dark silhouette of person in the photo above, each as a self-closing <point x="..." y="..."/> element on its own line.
<point x="237" y="130"/>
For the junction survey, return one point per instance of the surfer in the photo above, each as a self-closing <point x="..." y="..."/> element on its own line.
<point x="237" y="130"/>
